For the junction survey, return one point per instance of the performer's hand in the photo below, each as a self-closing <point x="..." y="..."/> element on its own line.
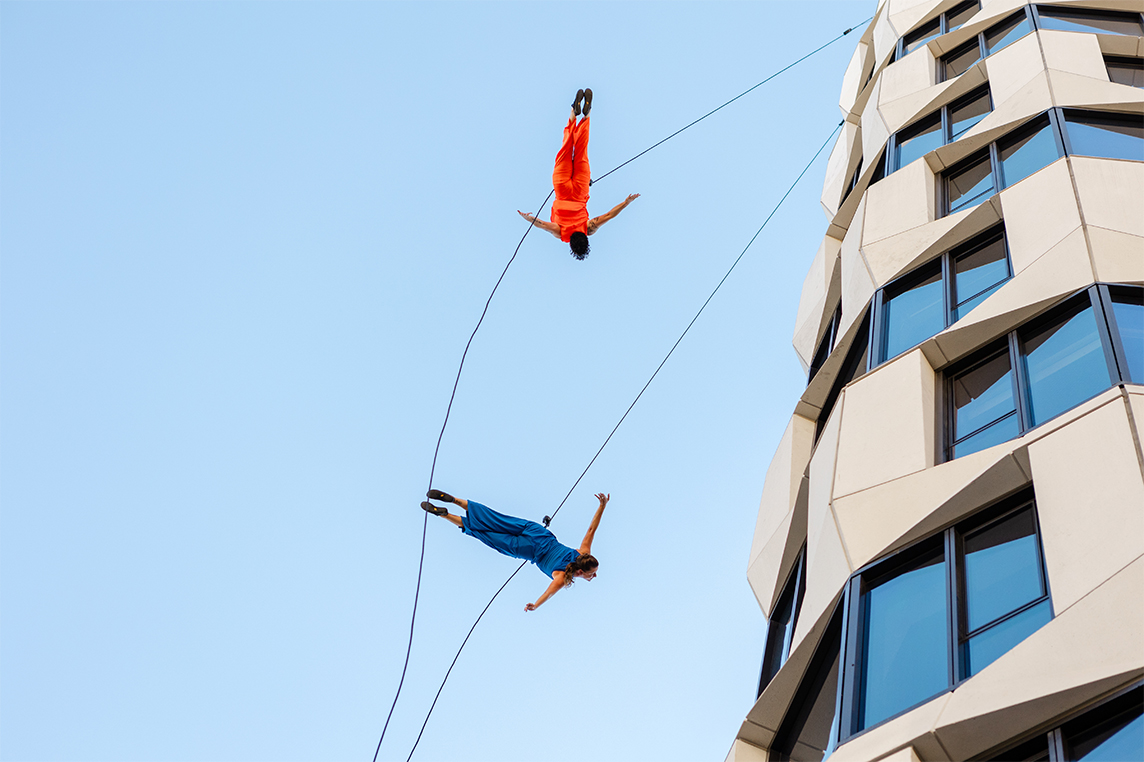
<point x="603" y="498"/>
<point x="528" y="217"/>
<point x="530" y="607"/>
<point x="632" y="198"/>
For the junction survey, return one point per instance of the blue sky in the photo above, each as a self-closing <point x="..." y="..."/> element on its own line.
<point x="242" y="246"/>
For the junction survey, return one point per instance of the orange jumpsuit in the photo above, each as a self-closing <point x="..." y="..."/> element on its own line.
<point x="570" y="179"/>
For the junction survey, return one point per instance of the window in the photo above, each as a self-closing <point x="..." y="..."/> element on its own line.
<point x="943" y="24"/>
<point x="1127" y="319"/>
<point x="826" y="345"/>
<point x="939" y="128"/>
<point x="1045" y="368"/>
<point x="1087" y="20"/>
<point x="924" y="302"/>
<point x="986" y="43"/>
<point x="855" y="366"/>
<point x="1035" y="145"/>
<point x="853" y="182"/>
<point x="809" y="731"/>
<point x="1114" y="730"/>
<point x="1104" y="135"/>
<point x="1125" y="70"/>
<point x="780" y="627"/>
<point x="941" y="611"/>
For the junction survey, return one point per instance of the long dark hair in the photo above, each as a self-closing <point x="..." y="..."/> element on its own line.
<point x="583" y="562"/>
<point x="579" y="243"/>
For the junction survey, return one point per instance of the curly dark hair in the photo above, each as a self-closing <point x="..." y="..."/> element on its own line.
<point x="579" y="244"/>
<point x="583" y="562"/>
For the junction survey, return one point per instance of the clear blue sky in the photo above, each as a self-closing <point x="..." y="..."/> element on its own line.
<point x="243" y="245"/>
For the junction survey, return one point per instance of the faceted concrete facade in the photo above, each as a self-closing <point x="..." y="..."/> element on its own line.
<point x="872" y="478"/>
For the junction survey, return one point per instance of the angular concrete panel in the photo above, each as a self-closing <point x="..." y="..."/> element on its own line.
<point x="826" y="574"/>
<point x="1117" y="257"/>
<point x="1039" y="213"/>
<point x="1110" y="192"/>
<point x="1090" y="500"/>
<point x="1077" y="90"/>
<point x="887" y="425"/>
<point x="902" y="201"/>
<point x="784" y="475"/>
<point x="1013" y="67"/>
<point x="897" y="255"/>
<point x="1073" y="53"/>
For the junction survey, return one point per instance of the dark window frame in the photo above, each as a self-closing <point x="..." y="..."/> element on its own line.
<point x="943" y="27"/>
<point x="891" y="155"/>
<point x="796" y="584"/>
<point x="1055" y="739"/>
<point x="1065" y="10"/>
<point x="1133" y="62"/>
<point x="825" y="345"/>
<point x="1058" y="119"/>
<point x="920" y="273"/>
<point x="1098" y="298"/>
<point x="979" y="41"/>
<point x="850" y="673"/>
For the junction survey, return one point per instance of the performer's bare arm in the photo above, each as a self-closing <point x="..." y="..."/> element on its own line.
<point x="595" y="223"/>
<point x="553" y="589"/>
<point x="586" y="546"/>
<point x="551" y="227"/>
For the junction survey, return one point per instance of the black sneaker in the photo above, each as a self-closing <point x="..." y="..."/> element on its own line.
<point x="576" y="103"/>
<point x="436" y="494"/>
<point x="587" y="100"/>
<point x="436" y="510"/>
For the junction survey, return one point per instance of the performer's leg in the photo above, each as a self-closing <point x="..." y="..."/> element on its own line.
<point x="562" y="170"/>
<point x="481" y="518"/>
<point x="581" y="170"/>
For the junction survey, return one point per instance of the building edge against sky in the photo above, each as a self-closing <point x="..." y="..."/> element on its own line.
<point x="950" y="541"/>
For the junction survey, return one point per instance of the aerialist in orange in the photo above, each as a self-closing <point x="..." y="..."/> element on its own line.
<point x="570" y="179"/>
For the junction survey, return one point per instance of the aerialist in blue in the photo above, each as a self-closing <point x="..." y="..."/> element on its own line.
<point x="526" y="540"/>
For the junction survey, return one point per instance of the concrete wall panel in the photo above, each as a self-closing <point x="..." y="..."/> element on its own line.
<point x="857" y="283"/>
<point x="741" y="751"/>
<point x="1117" y="257"/>
<point x="838" y="168"/>
<point x="1111" y="192"/>
<point x="784" y="475"/>
<point x="894" y="256"/>
<point x="1039" y="213"/>
<point x="812" y="303"/>
<point x="1075" y="53"/>
<point x="907" y="77"/>
<point x="887" y="425"/>
<point x="826" y="574"/>
<point x="1077" y="90"/>
<point x="1090" y="499"/>
<point x="1012" y="68"/>
<point x="902" y="201"/>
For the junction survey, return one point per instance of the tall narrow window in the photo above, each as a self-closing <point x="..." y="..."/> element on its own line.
<point x="855" y="366"/>
<point x="1032" y="148"/>
<point x="970" y="183"/>
<point x="903" y="646"/>
<point x="919" y="139"/>
<point x="984" y="406"/>
<point x="780" y="627"/>
<point x="809" y="731"/>
<point x="968" y="112"/>
<point x="978" y="272"/>
<point x="1128" y="315"/>
<point x="1007" y="32"/>
<point x="1064" y="363"/>
<point x="993" y="39"/>
<point x="1005" y="598"/>
<point x="913" y="310"/>
<point x="826" y="345"/>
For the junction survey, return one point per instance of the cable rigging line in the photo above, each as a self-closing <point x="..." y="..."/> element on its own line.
<point x="728" y="103"/>
<point x="433" y="470"/>
<point x="547" y="519"/>
<point x="448" y="411"/>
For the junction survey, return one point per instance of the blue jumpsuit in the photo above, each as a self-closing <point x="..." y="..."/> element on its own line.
<point x="519" y="538"/>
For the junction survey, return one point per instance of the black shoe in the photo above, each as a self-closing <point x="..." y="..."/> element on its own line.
<point x="436" y="494"/>
<point x="587" y="100"/>
<point x="436" y="510"/>
<point x="576" y="103"/>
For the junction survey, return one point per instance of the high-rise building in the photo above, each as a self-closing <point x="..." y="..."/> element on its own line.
<point x="950" y="542"/>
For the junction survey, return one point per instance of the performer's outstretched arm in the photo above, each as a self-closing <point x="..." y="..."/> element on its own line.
<point x="596" y="222"/>
<point x="553" y="589"/>
<point x="586" y="546"/>
<point x="551" y="227"/>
